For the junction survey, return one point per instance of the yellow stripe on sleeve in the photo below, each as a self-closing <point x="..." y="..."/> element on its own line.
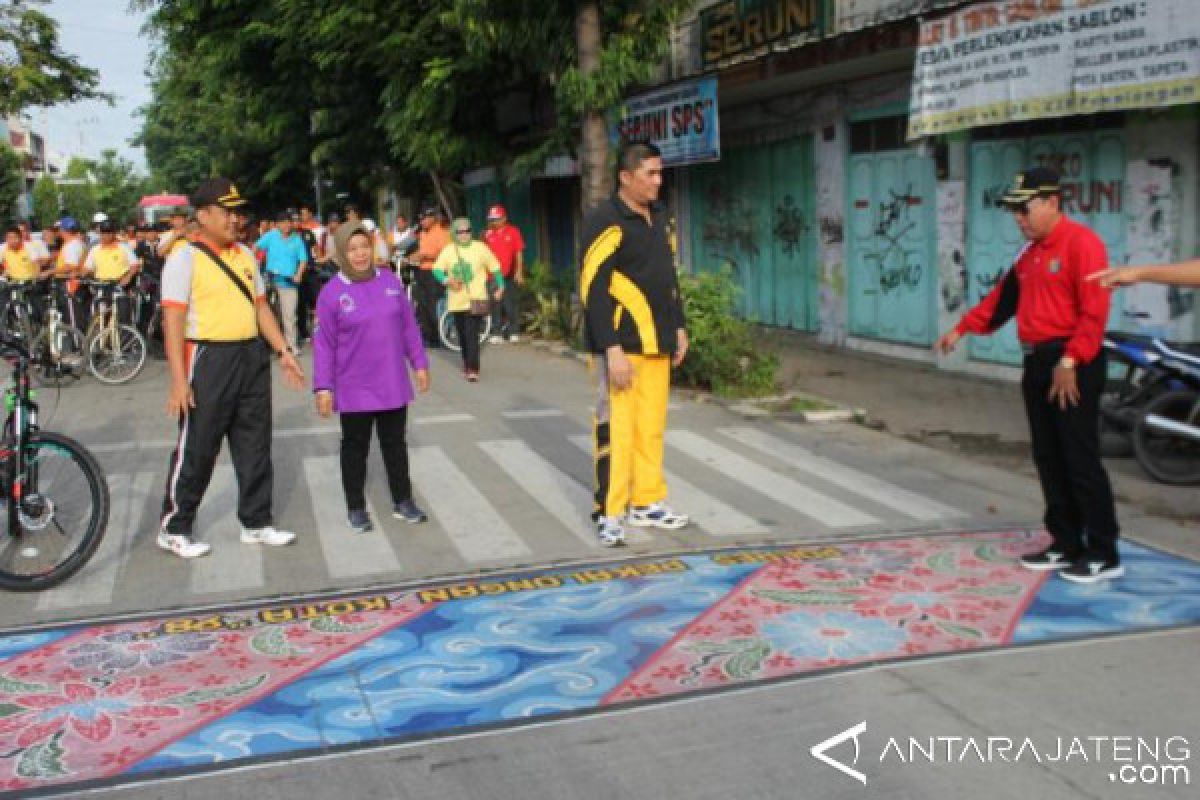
<point x="600" y="251"/>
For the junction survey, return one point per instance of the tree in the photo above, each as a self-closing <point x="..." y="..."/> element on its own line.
<point x="379" y="90"/>
<point x="79" y="199"/>
<point x="33" y="70"/>
<point x="11" y="181"/>
<point x="117" y="186"/>
<point x="45" y="201"/>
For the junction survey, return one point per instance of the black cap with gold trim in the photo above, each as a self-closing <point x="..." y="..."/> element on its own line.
<point x="217" y="192"/>
<point x="1036" y="182"/>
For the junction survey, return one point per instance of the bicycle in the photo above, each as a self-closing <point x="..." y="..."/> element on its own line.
<point x="147" y="313"/>
<point x="57" y="346"/>
<point x="116" y="352"/>
<point x="449" y="334"/>
<point x="54" y="499"/>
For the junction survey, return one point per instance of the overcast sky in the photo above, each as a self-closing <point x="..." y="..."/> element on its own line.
<point x="103" y="35"/>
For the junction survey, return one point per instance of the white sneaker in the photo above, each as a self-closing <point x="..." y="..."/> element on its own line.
<point x="513" y="338"/>
<point x="657" y="515"/>
<point x="267" y="536"/>
<point x="609" y="531"/>
<point x="496" y="339"/>
<point x="182" y="546"/>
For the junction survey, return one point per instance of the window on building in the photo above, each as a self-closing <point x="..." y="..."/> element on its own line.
<point x="878" y="135"/>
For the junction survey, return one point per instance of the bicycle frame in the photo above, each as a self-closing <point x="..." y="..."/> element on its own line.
<point x="20" y="423"/>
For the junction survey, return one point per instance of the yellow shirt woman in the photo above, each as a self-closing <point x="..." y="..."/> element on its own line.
<point x="464" y="268"/>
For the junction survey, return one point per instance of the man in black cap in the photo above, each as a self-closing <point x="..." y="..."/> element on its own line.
<point x="1061" y="316"/>
<point x="220" y="336"/>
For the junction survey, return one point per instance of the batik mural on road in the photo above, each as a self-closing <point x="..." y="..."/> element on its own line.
<point x="126" y="701"/>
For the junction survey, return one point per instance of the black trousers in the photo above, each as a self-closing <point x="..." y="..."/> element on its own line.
<point x="1080" y="512"/>
<point x="467" y="326"/>
<point x="231" y="382"/>
<point x="506" y="319"/>
<point x="428" y="293"/>
<point x="356" y="443"/>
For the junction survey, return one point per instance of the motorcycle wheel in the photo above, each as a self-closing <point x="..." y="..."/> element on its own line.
<point x="1167" y="456"/>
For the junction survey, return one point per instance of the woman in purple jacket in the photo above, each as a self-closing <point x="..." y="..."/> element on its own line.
<point x="366" y="341"/>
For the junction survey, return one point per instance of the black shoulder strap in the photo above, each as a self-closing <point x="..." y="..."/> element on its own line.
<point x="229" y="273"/>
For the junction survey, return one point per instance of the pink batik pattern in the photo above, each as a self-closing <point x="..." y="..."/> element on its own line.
<point x="878" y="601"/>
<point x="93" y="704"/>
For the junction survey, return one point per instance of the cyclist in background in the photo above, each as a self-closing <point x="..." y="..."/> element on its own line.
<point x="112" y="263"/>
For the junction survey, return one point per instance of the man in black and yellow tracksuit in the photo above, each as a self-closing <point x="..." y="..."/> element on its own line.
<point x="219" y="335"/>
<point x="634" y="320"/>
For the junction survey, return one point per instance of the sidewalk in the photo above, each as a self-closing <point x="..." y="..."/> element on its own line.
<point x="972" y="416"/>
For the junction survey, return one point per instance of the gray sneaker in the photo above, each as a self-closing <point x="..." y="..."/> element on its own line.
<point x="360" y="521"/>
<point x="409" y="512"/>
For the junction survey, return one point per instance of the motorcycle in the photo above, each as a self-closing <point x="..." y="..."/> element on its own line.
<point x="1166" y="436"/>
<point x="1134" y="378"/>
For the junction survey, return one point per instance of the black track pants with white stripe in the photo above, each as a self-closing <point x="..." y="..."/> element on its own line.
<point x="232" y="387"/>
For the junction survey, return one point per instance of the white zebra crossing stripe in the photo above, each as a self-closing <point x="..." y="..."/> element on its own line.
<point x="533" y="413"/>
<point x="783" y="490"/>
<point x="347" y="554"/>
<point x="852" y="480"/>
<point x="473" y="525"/>
<point x="560" y="494"/>
<point x="96" y="582"/>
<point x="713" y="516"/>
<point x="231" y="566"/>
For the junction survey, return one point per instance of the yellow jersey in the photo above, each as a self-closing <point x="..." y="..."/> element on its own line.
<point x="217" y="311"/>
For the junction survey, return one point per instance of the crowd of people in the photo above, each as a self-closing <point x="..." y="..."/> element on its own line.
<point x="366" y="299"/>
<point x="370" y="342"/>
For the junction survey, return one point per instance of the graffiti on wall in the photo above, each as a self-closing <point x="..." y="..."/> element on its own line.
<point x="1081" y="194"/>
<point x="898" y="267"/>
<point x="729" y="230"/>
<point x="790" y="226"/>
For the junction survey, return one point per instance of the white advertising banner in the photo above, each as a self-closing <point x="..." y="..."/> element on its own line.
<point x="1013" y="60"/>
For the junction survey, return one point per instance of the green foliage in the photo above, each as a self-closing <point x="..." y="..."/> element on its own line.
<point x="33" y="70"/>
<point x="117" y="186"/>
<point x="11" y="180"/>
<point x="376" y="91"/>
<point x="723" y="354"/>
<point x="79" y="201"/>
<point x="549" y="310"/>
<point x="45" y="201"/>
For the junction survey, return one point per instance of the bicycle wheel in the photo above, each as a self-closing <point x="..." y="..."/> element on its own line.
<point x="115" y="362"/>
<point x="1170" y="456"/>
<point x="447" y="332"/>
<point x="60" y="519"/>
<point x="59" y="355"/>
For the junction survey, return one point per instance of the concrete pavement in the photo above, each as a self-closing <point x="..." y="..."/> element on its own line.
<point x="502" y="441"/>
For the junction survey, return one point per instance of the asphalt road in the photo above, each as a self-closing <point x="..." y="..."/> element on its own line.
<point x="502" y="466"/>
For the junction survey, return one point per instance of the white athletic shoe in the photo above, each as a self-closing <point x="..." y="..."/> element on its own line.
<point x="182" y="546"/>
<point x="513" y="338"/>
<point x="657" y="515"/>
<point x="609" y="531"/>
<point x="267" y="536"/>
<point x="494" y="339"/>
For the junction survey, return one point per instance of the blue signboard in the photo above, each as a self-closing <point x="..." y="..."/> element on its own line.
<point x="680" y="119"/>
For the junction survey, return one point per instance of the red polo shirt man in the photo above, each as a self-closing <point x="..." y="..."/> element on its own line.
<point x="1061" y="316"/>
<point x="507" y="244"/>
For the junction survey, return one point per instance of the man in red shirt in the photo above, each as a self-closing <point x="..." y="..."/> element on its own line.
<point x="505" y="241"/>
<point x="1061" y="316"/>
